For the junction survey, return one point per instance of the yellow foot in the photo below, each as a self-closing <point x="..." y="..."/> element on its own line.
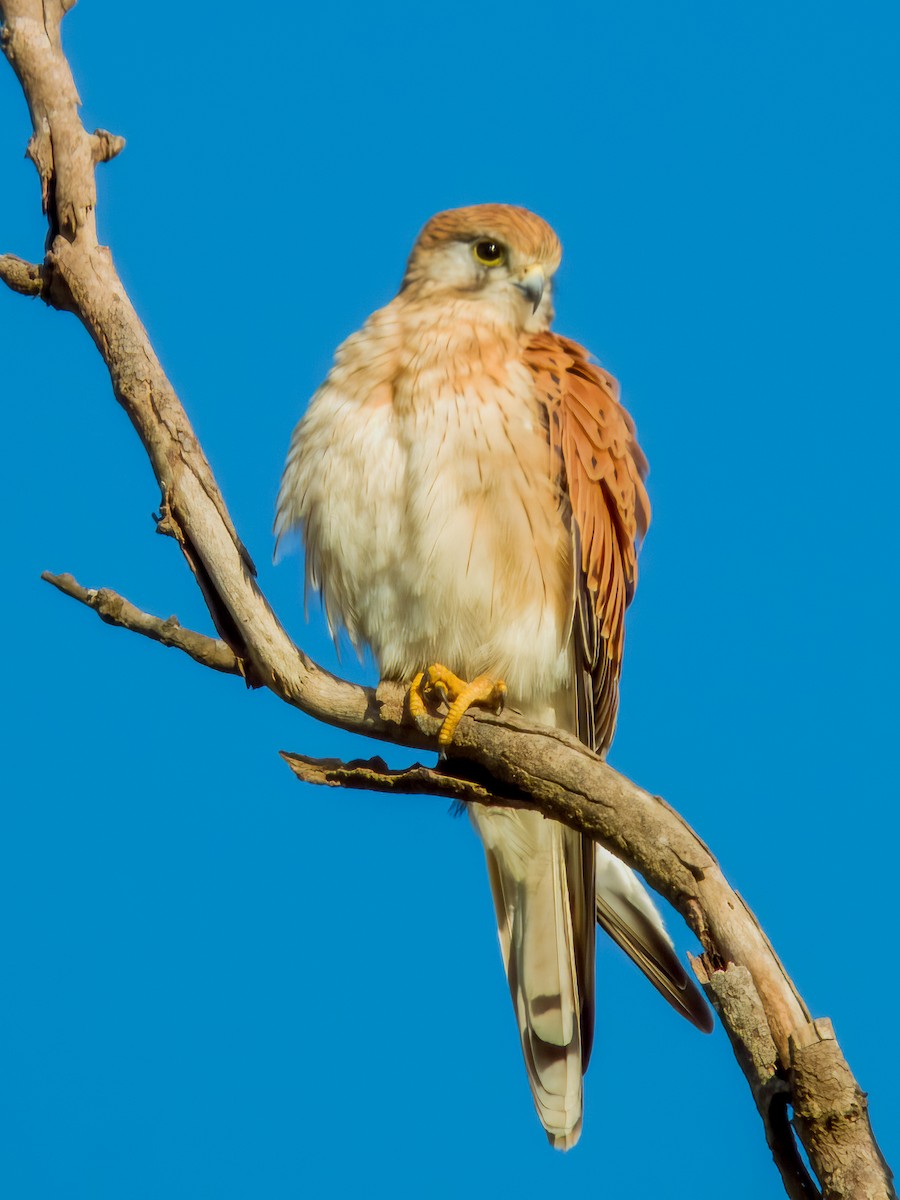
<point x="440" y="684"/>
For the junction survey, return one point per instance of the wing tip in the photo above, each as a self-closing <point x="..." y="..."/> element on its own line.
<point x="690" y="1002"/>
<point x="652" y="952"/>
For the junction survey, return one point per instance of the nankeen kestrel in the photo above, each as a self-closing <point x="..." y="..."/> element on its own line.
<point x="471" y="495"/>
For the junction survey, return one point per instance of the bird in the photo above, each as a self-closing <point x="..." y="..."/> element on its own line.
<point x="471" y="496"/>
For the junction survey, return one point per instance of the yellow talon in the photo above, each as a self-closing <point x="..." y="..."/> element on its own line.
<point x="416" y="698"/>
<point x="484" y="691"/>
<point x="440" y="682"/>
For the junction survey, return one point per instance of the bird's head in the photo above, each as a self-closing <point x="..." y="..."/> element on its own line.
<point x="496" y="253"/>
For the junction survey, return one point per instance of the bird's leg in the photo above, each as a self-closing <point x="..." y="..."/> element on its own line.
<point x="440" y="682"/>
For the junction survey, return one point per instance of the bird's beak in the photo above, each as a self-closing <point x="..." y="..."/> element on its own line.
<point x="531" y="285"/>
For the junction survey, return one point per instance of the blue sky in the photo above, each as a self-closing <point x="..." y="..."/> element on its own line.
<point x="220" y="984"/>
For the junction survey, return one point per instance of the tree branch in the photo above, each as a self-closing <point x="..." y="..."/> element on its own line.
<point x="788" y="1058"/>
<point x="23" y="277"/>
<point x="115" y="610"/>
<point x="374" y="775"/>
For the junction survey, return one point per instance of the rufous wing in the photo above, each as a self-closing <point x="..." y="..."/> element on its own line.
<point x="600" y="469"/>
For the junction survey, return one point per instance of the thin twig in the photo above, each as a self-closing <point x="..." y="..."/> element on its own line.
<point x="116" y="610"/>
<point x="374" y="775"/>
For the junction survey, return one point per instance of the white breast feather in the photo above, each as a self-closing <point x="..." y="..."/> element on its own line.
<point x="428" y="512"/>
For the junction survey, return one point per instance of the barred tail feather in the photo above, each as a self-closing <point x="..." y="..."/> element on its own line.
<point x="541" y="876"/>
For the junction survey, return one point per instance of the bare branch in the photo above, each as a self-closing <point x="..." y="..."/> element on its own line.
<point x="831" y="1115"/>
<point x="116" y="610"/>
<point x="736" y="1000"/>
<point x="374" y="775"/>
<point x="105" y="145"/>
<point x="787" y="1057"/>
<point x="23" y="277"/>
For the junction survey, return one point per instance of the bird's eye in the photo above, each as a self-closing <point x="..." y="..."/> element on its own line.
<point x="489" y="254"/>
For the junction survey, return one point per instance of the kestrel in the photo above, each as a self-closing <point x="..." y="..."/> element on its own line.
<point x="471" y="495"/>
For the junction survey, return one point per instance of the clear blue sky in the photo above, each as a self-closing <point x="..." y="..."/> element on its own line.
<point x="220" y="984"/>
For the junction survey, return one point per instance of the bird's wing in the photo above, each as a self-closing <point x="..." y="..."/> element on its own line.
<point x="601" y="469"/>
<point x="627" y="913"/>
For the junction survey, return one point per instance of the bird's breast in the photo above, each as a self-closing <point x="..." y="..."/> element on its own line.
<point x="432" y="522"/>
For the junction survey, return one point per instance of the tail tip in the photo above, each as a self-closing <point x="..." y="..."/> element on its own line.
<point x="564" y="1140"/>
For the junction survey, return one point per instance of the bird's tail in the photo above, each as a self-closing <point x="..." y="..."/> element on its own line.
<point x="542" y="879"/>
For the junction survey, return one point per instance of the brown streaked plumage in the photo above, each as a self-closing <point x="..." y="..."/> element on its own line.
<point x="471" y="494"/>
